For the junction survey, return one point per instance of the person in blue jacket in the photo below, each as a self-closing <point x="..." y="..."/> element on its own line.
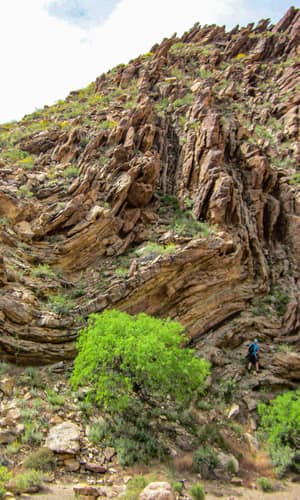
<point x="253" y="355"/>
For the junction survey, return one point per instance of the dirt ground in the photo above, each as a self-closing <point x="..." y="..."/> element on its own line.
<point x="290" y="492"/>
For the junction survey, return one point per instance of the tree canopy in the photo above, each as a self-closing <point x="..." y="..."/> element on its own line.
<point x="123" y="357"/>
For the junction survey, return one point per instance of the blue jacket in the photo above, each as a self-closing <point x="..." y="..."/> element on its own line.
<point x="253" y="348"/>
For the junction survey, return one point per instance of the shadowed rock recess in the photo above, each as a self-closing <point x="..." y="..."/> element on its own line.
<point x="169" y="186"/>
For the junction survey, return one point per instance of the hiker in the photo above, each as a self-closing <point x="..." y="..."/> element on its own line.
<point x="253" y="356"/>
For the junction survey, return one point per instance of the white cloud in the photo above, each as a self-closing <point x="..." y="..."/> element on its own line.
<point x="43" y="58"/>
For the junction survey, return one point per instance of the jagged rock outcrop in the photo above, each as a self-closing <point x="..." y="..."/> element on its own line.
<point x="169" y="186"/>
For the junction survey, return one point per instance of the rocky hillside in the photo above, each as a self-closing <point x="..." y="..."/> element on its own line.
<point x="170" y="186"/>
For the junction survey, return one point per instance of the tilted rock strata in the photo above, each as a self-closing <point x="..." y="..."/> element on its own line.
<point x="211" y="119"/>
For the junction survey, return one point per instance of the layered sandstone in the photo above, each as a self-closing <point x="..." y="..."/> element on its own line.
<point x="203" y="128"/>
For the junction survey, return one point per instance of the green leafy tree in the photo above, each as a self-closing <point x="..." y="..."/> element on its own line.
<point x="125" y="358"/>
<point x="280" y="424"/>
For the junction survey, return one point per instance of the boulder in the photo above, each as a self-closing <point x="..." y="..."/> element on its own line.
<point x="7" y="385"/>
<point x="233" y="411"/>
<point x="228" y="462"/>
<point x="158" y="491"/>
<point x="86" y="491"/>
<point x="64" y="438"/>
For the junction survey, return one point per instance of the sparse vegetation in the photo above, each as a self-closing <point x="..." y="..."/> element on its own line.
<point x="60" y="304"/>
<point x="275" y="302"/>
<point x="152" y="249"/>
<point x="182" y="221"/>
<point x="43" y="271"/>
<point x="176" y="47"/>
<point x="71" y="171"/>
<point x="187" y="100"/>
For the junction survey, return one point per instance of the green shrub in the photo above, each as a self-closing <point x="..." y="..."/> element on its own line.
<point x="265" y="484"/>
<point x="24" y="191"/>
<point x="121" y="272"/>
<point x="29" y="413"/>
<point x="31" y="376"/>
<point x="152" y="248"/>
<point x="27" y="162"/>
<point x="205" y="460"/>
<point x="42" y="459"/>
<point x="235" y="427"/>
<point x="197" y="492"/>
<point x="176" y="47"/>
<point x="280" y="425"/>
<point x="177" y="487"/>
<point x="32" y="434"/>
<point x="188" y="99"/>
<point x="204" y="73"/>
<point x="13" y="448"/>
<point x="60" y="304"/>
<point x="108" y="124"/>
<point x="210" y="434"/>
<point x="295" y="179"/>
<point x="97" y="432"/>
<point x="43" y="271"/>
<point x="125" y="358"/>
<point x="161" y="106"/>
<point x="137" y="442"/>
<point x="132" y="435"/>
<point x="226" y="389"/>
<point x="5" y="476"/>
<point x="4" y="367"/>
<point x="71" y="171"/>
<point x="135" y="486"/>
<point x="55" y="399"/>
<point x="27" y="482"/>
<point x="231" y="467"/>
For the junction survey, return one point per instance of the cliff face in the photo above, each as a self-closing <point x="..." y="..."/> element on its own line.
<point x="168" y="186"/>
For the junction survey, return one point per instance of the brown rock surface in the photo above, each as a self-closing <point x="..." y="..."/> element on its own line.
<point x="194" y="145"/>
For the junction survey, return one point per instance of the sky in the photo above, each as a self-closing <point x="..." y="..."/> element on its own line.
<point x="51" y="47"/>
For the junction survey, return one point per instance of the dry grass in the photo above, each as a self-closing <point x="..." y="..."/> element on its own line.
<point x="184" y="463"/>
